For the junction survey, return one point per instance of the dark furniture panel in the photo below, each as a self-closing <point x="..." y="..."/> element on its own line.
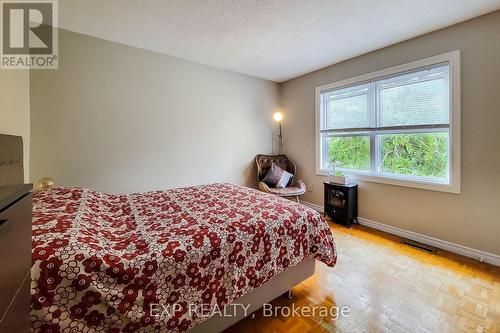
<point x="341" y="202"/>
<point x="16" y="318"/>
<point x="15" y="253"/>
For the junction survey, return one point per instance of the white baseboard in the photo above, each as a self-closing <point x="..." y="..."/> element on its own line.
<point x="313" y="206"/>
<point x="441" y="244"/>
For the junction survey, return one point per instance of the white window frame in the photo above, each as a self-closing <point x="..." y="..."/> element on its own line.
<point x="453" y="184"/>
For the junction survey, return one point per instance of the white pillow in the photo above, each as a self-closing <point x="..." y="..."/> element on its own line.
<point x="285" y="178"/>
<point x="277" y="177"/>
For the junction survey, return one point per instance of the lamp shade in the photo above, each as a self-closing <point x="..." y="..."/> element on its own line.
<point x="278" y="116"/>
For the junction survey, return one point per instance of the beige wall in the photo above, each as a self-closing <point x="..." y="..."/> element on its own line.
<point x="122" y="119"/>
<point x="471" y="218"/>
<point x="15" y="108"/>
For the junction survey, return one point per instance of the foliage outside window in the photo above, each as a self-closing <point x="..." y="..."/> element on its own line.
<point x="396" y="126"/>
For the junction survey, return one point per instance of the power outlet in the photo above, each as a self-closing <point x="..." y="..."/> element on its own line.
<point x="310" y="188"/>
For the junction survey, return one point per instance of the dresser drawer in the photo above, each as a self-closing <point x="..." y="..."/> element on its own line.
<point x="16" y="318"/>
<point x="15" y="248"/>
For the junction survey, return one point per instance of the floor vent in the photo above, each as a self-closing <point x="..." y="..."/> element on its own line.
<point x="418" y="246"/>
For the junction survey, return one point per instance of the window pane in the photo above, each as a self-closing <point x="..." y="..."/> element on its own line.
<point x="415" y="99"/>
<point x="416" y="154"/>
<point x="351" y="152"/>
<point x="347" y="108"/>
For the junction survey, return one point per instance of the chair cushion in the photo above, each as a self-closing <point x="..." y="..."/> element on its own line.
<point x="277" y="177"/>
<point x="295" y="189"/>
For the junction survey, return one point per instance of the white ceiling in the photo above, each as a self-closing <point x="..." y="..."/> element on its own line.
<point x="275" y="39"/>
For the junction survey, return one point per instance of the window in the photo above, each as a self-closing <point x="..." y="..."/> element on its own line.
<point x="399" y="126"/>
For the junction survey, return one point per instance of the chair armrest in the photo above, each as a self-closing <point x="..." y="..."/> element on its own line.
<point x="263" y="187"/>
<point x="302" y="185"/>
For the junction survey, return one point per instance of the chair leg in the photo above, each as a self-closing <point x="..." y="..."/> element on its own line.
<point x="297" y="198"/>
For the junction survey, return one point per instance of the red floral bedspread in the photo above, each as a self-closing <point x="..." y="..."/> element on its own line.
<point x="100" y="261"/>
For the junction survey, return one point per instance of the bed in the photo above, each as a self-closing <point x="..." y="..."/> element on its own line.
<point x="113" y="263"/>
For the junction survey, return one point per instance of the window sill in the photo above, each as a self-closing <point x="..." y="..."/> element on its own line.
<point x="426" y="185"/>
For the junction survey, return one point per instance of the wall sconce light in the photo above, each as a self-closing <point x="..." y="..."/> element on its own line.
<point x="278" y="116"/>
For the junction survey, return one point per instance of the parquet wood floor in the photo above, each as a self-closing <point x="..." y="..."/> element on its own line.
<point x="390" y="287"/>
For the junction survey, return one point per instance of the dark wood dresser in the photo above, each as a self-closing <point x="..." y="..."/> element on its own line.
<point x="341" y="202"/>
<point x="15" y="257"/>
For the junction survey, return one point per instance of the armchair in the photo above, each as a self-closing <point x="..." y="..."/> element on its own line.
<point x="292" y="189"/>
